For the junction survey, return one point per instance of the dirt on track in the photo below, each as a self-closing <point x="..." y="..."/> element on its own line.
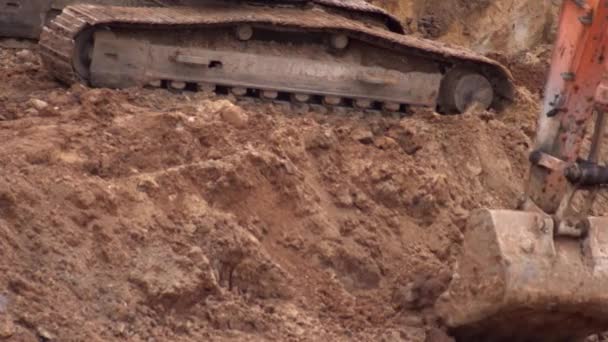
<point x="144" y="215"/>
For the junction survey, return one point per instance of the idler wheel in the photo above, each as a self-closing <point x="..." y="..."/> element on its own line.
<point x="462" y="88"/>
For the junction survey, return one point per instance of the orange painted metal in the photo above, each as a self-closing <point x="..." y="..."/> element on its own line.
<point x="577" y="68"/>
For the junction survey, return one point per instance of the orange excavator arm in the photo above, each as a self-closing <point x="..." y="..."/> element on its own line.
<point x="540" y="273"/>
<point x="575" y="90"/>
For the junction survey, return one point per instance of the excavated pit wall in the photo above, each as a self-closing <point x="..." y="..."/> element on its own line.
<point x="509" y="27"/>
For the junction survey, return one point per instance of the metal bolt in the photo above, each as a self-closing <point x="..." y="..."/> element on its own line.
<point x="568" y="76"/>
<point x="601" y="93"/>
<point x="586" y="19"/>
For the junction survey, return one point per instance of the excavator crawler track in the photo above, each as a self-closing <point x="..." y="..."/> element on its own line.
<point x="305" y="55"/>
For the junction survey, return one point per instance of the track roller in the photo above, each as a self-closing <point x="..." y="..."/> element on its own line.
<point x="177" y="85"/>
<point x="339" y="41"/>
<point x="238" y="91"/>
<point x="244" y="32"/>
<point x="155" y="84"/>
<point x="300" y="98"/>
<point x="269" y="94"/>
<point x="332" y="100"/>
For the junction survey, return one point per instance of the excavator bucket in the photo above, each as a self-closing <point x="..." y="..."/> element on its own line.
<point x="516" y="281"/>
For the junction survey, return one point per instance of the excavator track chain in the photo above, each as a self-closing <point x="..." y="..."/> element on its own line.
<point x="297" y="55"/>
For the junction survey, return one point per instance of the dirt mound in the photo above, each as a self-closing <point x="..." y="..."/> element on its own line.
<point x="150" y="216"/>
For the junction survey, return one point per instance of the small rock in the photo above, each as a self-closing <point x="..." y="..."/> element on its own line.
<point x="93" y="96"/>
<point x="231" y="113"/>
<point x="413" y="321"/>
<point x="344" y="199"/>
<point x="7" y="327"/>
<point x="120" y="329"/>
<point x="38" y="104"/>
<point x="26" y="56"/>
<point x="147" y="184"/>
<point x="410" y="295"/>
<point x="197" y="255"/>
<point x="31" y="112"/>
<point x="323" y="139"/>
<point x="362" y="135"/>
<point x="476" y="170"/>
<point x="45" y="335"/>
<point x="385" y="143"/>
<point x="391" y="335"/>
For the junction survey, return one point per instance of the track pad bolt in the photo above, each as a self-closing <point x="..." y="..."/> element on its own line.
<point x="244" y="32"/>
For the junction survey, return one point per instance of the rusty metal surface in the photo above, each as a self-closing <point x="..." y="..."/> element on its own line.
<point x="58" y="39"/>
<point x="514" y="273"/>
<point x="577" y="68"/>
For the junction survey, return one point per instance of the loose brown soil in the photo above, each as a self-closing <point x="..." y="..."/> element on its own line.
<point x="144" y="215"/>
